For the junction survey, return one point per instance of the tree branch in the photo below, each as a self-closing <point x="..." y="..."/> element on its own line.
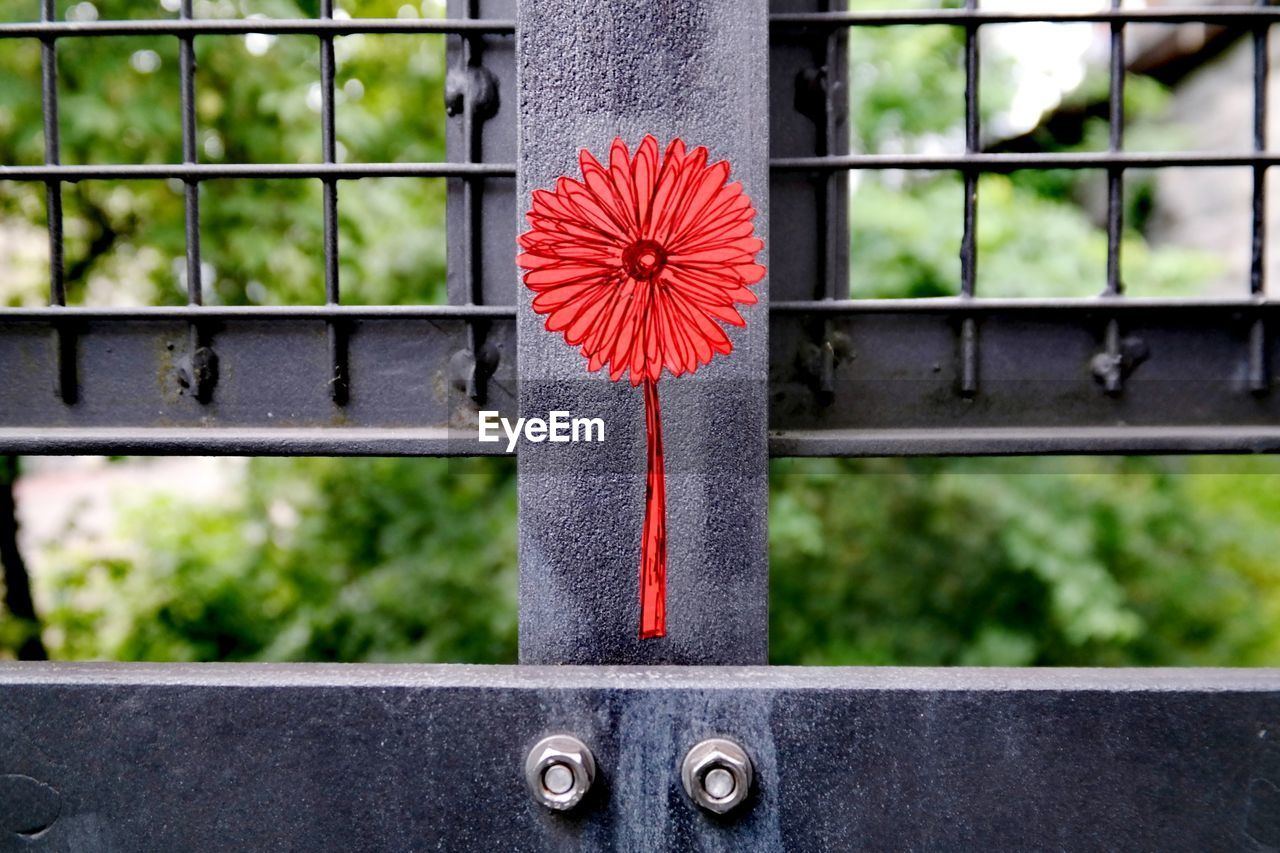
<point x="17" y="582"/>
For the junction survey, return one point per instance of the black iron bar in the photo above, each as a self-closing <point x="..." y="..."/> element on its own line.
<point x="1000" y="163"/>
<point x="833" y="231"/>
<point x="473" y="279"/>
<point x="962" y="305"/>
<point x="1113" y="377"/>
<point x="1259" y="378"/>
<point x="190" y="154"/>
<point x="338" y="379"/>
<point x="982" y="162"/>
<point x="66" y="381"/>
<point x="969" y="238"/>
<point x="215" y="171"/>
<point x="196" y="374"/>
<point x="967" y="16"/>
<point x="267" y="312"/>
<point x="1115" y="172"/>
<point x="923" y="305"/>
<point x="244" y="26"/>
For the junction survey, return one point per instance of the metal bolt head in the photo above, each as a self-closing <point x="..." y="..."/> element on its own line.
<point x="559" y="771"/>
<point x="717" y="775"/>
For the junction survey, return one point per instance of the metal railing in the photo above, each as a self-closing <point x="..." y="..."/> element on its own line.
<point x="837" y="362"/>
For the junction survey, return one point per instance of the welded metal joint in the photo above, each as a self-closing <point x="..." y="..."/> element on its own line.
<point x="717" y="775"/>
<point x="1118" y="360"/>
<point x="811" y="94"/>
<point x="968" y="385"/>
<point x="817" y="361"/>
<point x="473" y="84"/>
<point x="1259" y="374"/>
<point x="470" y="370"/>
<point x="559" y="771"/>
<point x="66" y="378"/>
<point x="198" y="371"/>
<point x="471" y="97"/>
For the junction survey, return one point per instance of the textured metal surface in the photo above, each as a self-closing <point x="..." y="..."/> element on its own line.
<point x="620" y="68"/>
<point x="214" y="757"/>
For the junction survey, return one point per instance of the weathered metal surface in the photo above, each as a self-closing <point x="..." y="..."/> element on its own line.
<point x="627" y="69"/>
<point x="273" y="387"/>
<point x="896" y="384"/>
<point x="328" y="757"/>
<point x="891" y="384"/>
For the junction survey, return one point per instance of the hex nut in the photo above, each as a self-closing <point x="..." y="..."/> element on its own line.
<point x="559" y="771"/>
<point x="717" y="775"/>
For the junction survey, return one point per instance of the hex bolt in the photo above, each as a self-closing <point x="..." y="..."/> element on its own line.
<point x="559" y="771"/>
<point x="717" y="775"/>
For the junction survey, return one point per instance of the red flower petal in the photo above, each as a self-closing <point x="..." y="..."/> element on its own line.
<point x="640" y="262"/>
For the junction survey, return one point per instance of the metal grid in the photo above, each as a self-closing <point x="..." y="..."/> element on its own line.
<point x="1115" y="160"/>
<point x="199" y="373"/>
<point x="848" y="377"/>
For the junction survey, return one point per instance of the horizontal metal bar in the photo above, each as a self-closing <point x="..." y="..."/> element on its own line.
<point x="964" y="17"/>
<point x="443" y="441"/>
<point x="849" y="378"/>
<point x="365" y="757"/>
<point x="212" y="171"/>
<point x="260" y="312"/>
<point x="1027" y="441"/>
<point x="994" y="163"/>
<point x="799" y="679"/>
<point x="244" y="26"/>
<point x="983" y="162"/>
<point x="437" y="440"/>
<point x="926" y="305"/>
<point x="970" y="305"/>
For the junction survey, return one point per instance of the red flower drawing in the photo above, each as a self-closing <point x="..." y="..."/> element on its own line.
<point x="638" y="264"/>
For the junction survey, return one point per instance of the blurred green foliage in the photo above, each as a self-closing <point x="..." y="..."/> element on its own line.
<point x="1059" y="561"/>
<point x="1022" y="561"/>
<point x="314" y="559"/>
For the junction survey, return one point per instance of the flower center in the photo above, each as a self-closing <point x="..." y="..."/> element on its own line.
<point x="644" y="259"/>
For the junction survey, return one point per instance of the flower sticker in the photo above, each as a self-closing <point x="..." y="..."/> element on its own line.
<point x="638" y="264"/>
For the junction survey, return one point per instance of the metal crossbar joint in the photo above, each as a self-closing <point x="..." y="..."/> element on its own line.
<point x="1259" y="375"/>
<point x="474" y="85"/>
<point x="818" y="362"/>
<point x="1120" y="358"/>
<point x="198" y="369"/>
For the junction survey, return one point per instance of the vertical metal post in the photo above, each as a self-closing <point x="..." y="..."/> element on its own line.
<point x="338" y="381"/>
<point x="1259" y="378"/>
<point x="199" y="371"/>
<point x="969" y="239"/>
<point x="587" y="72"/>
<point x="1113" y="377"/>
<point x="66" y="380"/>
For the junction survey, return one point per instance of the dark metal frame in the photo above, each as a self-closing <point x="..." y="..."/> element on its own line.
<point x="946" y="388"/>
<point x="104" y="756"/>
<point x="385" y="757"/>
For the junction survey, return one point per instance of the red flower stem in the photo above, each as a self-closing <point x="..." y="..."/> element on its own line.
<point x="653" y="542"/>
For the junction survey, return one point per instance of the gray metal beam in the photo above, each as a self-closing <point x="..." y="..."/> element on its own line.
<point x="587" y="72"/>
<point x="333" y="757"/>
<point x="890" y="386"/>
